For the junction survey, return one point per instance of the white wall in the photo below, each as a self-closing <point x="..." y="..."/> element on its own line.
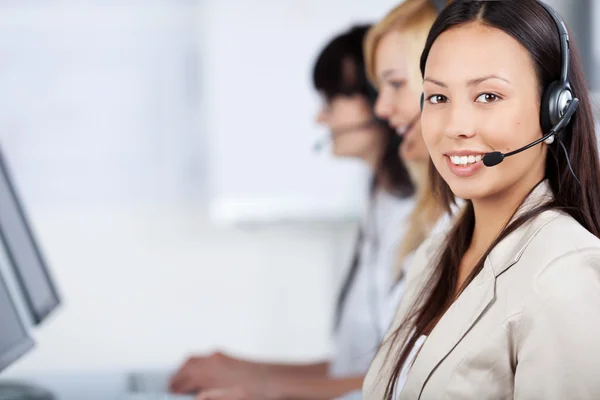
<point x="258" y="61"/>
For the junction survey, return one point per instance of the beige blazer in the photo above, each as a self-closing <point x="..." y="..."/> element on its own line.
<point x="527" y="327"/>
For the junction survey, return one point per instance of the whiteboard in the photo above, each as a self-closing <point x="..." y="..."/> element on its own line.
<point x="260" y="108"/>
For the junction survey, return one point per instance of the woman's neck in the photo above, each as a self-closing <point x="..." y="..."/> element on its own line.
<point x="490" y="218"/>
<point x="492" y="214"/>
<point x="382" y="183"/>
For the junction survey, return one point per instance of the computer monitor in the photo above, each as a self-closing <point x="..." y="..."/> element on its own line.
<point x="14" y="339"/>
<point x="22" y="251"/>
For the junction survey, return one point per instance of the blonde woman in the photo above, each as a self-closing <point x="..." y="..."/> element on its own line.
<point x="392" y="51"/>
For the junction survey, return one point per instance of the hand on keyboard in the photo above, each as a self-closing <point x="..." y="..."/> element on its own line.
<point x="206" y="372"/>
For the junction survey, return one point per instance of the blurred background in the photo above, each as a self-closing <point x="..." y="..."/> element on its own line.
<point x="164" y="150"/>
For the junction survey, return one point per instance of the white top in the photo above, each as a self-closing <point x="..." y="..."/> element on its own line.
<point x="374" y="297"/>
<point x="407" y="365"/>
<point x="364" y="315"/>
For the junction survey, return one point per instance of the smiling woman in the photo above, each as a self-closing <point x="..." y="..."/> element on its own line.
<point x="506" y="306"/>
<point x="492" y="110"/>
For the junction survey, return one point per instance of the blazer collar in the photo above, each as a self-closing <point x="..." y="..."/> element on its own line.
<point x="509" y="250"/>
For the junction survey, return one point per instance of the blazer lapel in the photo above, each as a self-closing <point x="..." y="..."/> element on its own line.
<point x="451" y="328"/>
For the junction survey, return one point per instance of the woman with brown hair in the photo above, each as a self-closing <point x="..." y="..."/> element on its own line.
<point x="507" y="305"/>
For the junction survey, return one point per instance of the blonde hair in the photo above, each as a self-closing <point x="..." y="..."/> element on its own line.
<point x="413" y="19"/>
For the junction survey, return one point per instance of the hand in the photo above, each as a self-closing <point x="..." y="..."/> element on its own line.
<point x="208" y="372"/>
<point x="257" y="390"/>
<point x="235" y="393"/>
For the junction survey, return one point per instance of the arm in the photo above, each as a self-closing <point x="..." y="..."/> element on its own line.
<point x="288" y="389"/>
<point x="300" y="370"/>
<point x="291" y="388"/>
<point x="558" y="341"/>
<point x="220" y="370"/>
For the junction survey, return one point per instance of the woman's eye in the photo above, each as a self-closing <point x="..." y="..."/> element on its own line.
<point x="396" y="84"/>
<point x="486" y="98"/>
<point x="437" y="98"/>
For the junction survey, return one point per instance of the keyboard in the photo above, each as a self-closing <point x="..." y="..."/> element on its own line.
<point x="151" y="385"/>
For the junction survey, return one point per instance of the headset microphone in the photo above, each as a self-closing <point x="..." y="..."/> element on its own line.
<point x="496" y="157"/>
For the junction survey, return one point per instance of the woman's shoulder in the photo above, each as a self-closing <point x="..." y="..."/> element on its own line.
<point x="563" y="249"/>
<point x="561" y="302"/>
<point x="421" y="264"/>
<point x="550" y="258"/>
<point x="445" y="223"/>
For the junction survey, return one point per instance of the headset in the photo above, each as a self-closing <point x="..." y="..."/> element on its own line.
<point x="558" y="104"/>
<point x="371" y="94"/>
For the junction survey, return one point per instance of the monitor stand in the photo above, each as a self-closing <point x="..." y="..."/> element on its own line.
<point x="23" y="391"/>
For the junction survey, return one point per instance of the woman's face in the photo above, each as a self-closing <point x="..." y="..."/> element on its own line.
<point x="481" y="95"/>
<point x="398" y="100"/>
<point x="349" y="121"/>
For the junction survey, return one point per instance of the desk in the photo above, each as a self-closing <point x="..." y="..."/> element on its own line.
<point x="89" y="386"/>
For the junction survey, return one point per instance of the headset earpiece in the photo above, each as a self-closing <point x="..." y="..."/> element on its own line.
<point x="558" y="94"/>
<point x="555" y="100"/>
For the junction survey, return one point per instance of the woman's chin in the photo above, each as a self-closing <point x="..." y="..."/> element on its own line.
<point x="467" y="189"/>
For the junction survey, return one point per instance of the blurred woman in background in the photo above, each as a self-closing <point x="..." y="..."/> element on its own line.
<point x="392" y="50"/>
<point x="348" y="99"/>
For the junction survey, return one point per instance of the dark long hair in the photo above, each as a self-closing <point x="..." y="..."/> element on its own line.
<point x="331" y="77"/>
<point x="529" y="23"/>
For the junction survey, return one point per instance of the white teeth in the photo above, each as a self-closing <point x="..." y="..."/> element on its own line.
<point x="464" y="160"/>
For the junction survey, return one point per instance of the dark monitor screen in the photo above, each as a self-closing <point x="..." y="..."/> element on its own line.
<point x="22" y="251"/>
<point x="14" y="340"/>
